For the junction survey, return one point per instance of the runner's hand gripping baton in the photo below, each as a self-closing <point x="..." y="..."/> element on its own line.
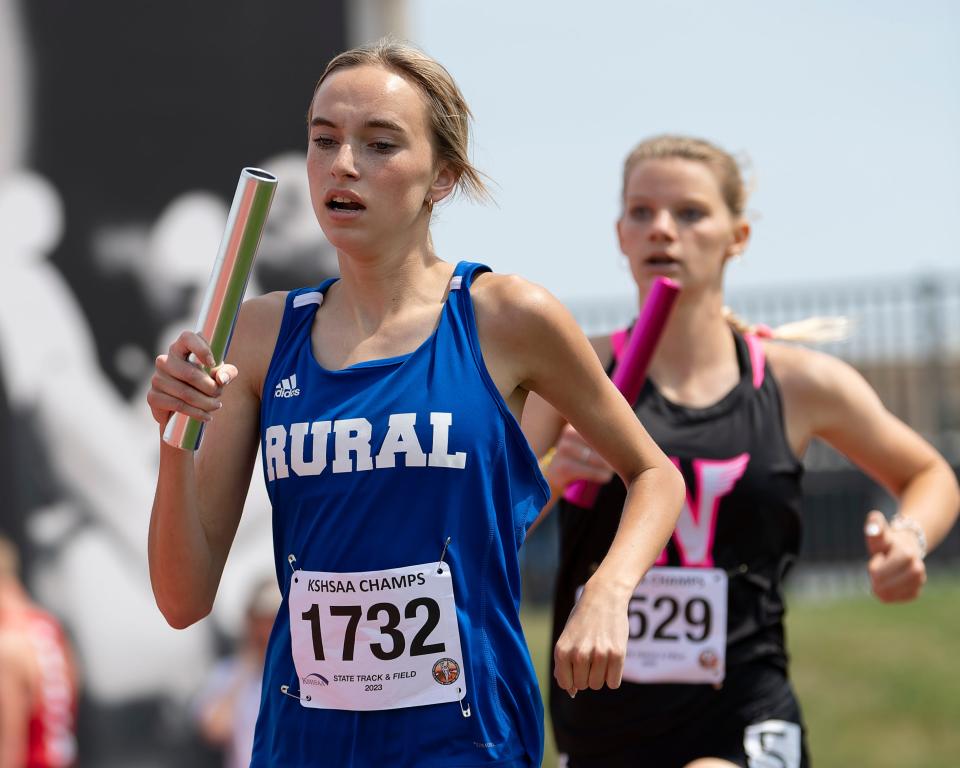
<point x="631" y="369"/>
<point x="228" y="281"/>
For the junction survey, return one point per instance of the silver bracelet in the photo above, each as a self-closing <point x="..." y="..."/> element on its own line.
<point x="902" y="523"/>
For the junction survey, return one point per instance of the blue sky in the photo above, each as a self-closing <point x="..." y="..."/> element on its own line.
<point x="848" y="112"/>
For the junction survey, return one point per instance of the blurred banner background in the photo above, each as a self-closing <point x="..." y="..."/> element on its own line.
<point x="123" y="128"/>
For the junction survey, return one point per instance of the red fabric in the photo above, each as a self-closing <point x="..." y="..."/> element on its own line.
<point x="51" y="738"/>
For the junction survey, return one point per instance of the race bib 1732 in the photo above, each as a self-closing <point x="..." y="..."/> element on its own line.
<point x="376" y="639"/>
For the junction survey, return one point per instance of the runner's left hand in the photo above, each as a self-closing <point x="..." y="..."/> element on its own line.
<point x="592" y="646"/>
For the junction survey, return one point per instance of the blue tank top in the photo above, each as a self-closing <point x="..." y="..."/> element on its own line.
<point x="367" y="508"/>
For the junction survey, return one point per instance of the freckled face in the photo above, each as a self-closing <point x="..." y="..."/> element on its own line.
<point x="370" y="160"/>
<point x="675" y="223"/>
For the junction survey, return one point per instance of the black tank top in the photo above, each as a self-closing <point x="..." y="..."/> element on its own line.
<point x="742" y="514"/>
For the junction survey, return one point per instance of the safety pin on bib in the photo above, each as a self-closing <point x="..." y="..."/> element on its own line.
<point x="443" y="554"/>
<point x="464" y="707"/>
<point x="285" y="690"/>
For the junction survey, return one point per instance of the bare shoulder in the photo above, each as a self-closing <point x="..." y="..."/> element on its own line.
<point x="255" y="335"/>
<point x="519" y="314"/>
<point x="266" y="310"/>
<point x="512" y="310"/>
<point x="809" y="378"/>
<point x="502" y="292"/>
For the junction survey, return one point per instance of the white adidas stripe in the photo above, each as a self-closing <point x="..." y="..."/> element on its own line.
<point x="304" y="299"/>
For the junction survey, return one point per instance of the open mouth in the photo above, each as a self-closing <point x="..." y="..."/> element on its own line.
<point x="660" y="260"/>
<point x="338" y="203"/>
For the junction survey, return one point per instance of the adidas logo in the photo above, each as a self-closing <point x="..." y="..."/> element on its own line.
<point x="287" y="387"/>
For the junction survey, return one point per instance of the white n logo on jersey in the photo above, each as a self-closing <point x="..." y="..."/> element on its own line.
<point x="697" y="525"/>
<point x="287" y="387"/>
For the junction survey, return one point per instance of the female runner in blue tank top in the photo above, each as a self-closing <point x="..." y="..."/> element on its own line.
<point x="734" y="413"/>
<point x="385" y="405"/>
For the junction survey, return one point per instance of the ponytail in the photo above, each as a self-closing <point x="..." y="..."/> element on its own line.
<point x="810" y="330"/>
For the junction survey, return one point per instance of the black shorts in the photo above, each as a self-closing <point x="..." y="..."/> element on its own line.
<point x="753" y="721"/>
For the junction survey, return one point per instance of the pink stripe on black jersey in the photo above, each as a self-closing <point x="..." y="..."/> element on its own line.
<point x="757" y="359"/>
<point x="742" y="514"/>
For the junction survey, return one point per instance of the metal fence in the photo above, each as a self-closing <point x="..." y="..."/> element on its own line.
<point x="904" y="339"/>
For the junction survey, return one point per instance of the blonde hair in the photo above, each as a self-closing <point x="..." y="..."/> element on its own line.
<point x="670" y="146"/>
<point x="811" y="330"/>
<point x="727" y="171"/>
<point x="448" y="111"/>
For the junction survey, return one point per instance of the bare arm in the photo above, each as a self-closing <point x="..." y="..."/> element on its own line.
<point x="535" y="345"/>
<point x="200" y="497"/>
<point x="565" y="456"/>
<point x="826" y="398"/>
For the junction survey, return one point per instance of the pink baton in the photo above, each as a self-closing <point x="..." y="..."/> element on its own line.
<point x="631" y="369"/>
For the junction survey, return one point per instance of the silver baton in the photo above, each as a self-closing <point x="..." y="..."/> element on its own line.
<point x="227" y="284"/>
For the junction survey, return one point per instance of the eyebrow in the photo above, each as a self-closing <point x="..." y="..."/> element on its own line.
<point x="377" y="122"/>
<point x="686" y="200"/>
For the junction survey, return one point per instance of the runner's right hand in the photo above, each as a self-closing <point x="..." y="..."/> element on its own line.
<point x="180" y="383"/>
<point x="576" y="460"/>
